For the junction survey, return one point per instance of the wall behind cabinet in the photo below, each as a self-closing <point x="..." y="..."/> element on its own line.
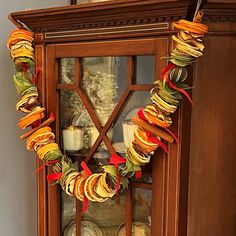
<point x="18" y="186"/>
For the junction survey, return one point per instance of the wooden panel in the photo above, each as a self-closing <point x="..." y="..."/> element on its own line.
<point x="212" y="208"/>
<point x="41" y="176"/>
<point x="170" y="176"/>
<point x="222" y="1"/>
<point x="158" y="190"/>
<point x="54" y="220"/>
<point x="116" y="48"/>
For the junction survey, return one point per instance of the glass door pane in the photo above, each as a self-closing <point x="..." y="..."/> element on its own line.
<point x="97" y="98"/>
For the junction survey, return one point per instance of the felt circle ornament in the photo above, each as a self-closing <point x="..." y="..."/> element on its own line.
<point x="152" y="122"/>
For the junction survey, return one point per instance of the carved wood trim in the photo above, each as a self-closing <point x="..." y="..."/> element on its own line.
<point x="220" y="12"/>
<point x="121" y="13"/>
<point x="109" y="30"/>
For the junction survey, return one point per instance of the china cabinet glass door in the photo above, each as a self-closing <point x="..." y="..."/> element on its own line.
<point x="97" y="89"/>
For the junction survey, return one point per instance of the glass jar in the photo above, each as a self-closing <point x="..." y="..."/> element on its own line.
<point x="73" y="138"/>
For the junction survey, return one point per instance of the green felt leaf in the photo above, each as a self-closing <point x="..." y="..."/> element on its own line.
<point x="183" y="86"/>
<point x="21" y="82"/>
<point x="23" y="60"/>
<point x="53" y="155"/>
<point x="112" y="171"/>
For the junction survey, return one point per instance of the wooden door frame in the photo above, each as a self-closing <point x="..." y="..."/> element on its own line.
<point x="169" y="196"/>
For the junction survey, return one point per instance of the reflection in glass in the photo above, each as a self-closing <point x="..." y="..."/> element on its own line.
<point x="142" y="199"/>
<point x="101" y="83"/>
<point x="68" y="210"/>
<point x="67" y="70"/>
<point x="145" y="69"/>
<point x="73" y="113"/>
<point x="108" y="215"/>
<point x="124" y="127"/>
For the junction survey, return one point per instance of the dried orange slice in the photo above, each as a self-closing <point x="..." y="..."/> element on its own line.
<point x="142" y="140"/>
<point x="41" y="136"/>
<point x="89" y="191"/>
<point x="70" y="183"/>
<point x="154" y="120"/>
<point x="102" y="188"/>
<point x="137" y="158"/>
<point x="79" y="188"/>
<point x="42" y="151"/>
<point x="36" y="114"/>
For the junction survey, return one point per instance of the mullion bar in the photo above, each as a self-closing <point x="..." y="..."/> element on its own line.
<point x="78" y="72"/>
<point x="114" y="115"/>
<point x="96" y="122"/>
<point x="78" y="218"/>
<point x="108" y="124"/>
<point x="78" y="203"/>
<point x="141" y="87"/>
<point x="129" y="202"/>
<point x="90" y="109"/>
<point x="131" y="70"/>
<point x="146" y="186"/>
<point x="63" y="86"/>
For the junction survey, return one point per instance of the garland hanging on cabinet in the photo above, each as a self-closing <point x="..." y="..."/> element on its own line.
<point x="152" y="124"/>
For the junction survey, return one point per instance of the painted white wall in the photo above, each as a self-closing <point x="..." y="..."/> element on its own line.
<point x="17" y="185"/>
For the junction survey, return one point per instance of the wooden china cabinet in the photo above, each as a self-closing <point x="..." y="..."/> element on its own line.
<point x="110" y="53"/>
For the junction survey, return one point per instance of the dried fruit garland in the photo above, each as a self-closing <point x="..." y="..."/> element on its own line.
<point x="152" y="124"/>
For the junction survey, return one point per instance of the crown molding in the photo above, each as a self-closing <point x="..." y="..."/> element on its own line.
<point x="106" y="15"/>
<point x="220" y="12"/>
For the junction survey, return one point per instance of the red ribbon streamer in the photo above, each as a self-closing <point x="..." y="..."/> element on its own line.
<point x="178" y="89"/>
<point x="24" y="67"/>
<point x="169" y="67"/>
<point x="118" y="183"/>
<point x="55" y="176"/>
<point x="85" y="205"/>
<point x="35" y="78"/>
<point x="116" y="160"/>
<point x="173" y="135"/>
<point x="85" y="167"/>
<point x="138" y="174"/>
<point x="142" y="117"/>
<point x="52" y="117"/>
<point x="157" y="141"/>
<point x="141" y="114"/>
<point x="43" y="166"/>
